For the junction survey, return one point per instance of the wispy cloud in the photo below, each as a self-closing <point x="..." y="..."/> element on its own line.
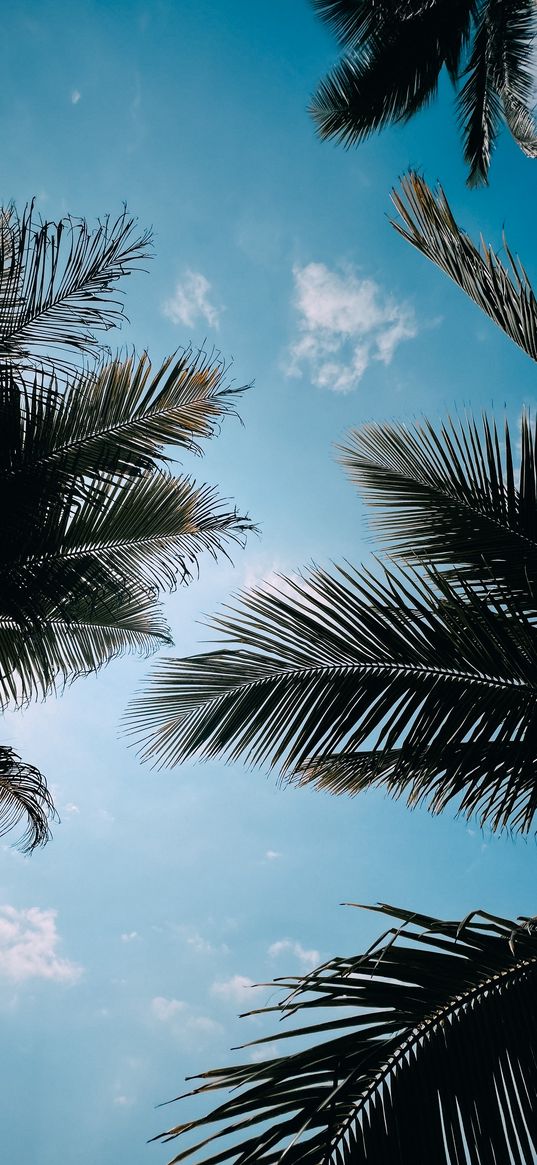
<point x="182" y="1021"/>
<point x="190" y="302"/>
<point x="129" y="936"/>
<point x="75" y="96"/>
<point x="344" y="323"/>
<point x="29" y="944"/>
<point x="308" y="959"/>
<point x="272" y="855"/>
<point x="238" y="989"/>
<point x="165" y="1009"/>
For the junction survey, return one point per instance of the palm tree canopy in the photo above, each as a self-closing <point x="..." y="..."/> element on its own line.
<point x="422" y="1049"/>
<point x="394" y="52"/>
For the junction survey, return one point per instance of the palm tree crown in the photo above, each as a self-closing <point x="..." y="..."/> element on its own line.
<point x="395" y="51"/>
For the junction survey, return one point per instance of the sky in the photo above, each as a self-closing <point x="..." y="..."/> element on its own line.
<point x="130" y="944"/>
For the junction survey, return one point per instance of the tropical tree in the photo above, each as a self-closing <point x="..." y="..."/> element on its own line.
<point x="421" y="1049"/>
<point x="394" y="52"/>
<point x="419" y="675"/>
<point x="93" y="522"/>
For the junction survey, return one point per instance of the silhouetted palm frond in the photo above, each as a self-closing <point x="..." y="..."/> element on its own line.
<point x="423" y="1049"/>
<point x="421" y="670"/>
<point x="57" y="283"/>
<point x="24" y="793"/>
<point x="91" y="527"/>
<point x="505" y="295"/>
<point x="395" y="51"/>
<point x="453" y="496"/>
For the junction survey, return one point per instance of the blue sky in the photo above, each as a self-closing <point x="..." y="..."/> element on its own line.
<point x="128" y="945"/>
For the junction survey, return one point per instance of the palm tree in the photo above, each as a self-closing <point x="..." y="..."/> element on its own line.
<point x="421" y="1050"/>
<point x="394" y="52"/>
<point x="93" y="523"/>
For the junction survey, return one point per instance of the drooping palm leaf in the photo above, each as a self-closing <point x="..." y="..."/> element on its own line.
<point x="394" y="53"/>
<point x="397" y="52"/>
<point x="505" y="295"/>
<point x="421" y="670"/>
<point x="452" y="496"/>
<point x="421" y="1050"/>
<point x="24" y="794"/>
<point x="57" y="283"/>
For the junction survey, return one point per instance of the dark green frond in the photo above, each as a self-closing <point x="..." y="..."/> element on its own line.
<point x="78" y="636"/>
<point x="24" y="794"/>
<point x="423" y="1049"/>
<point x="479" y="103"/>
<point x="57" y="283"/>
<point x="452" y="496"/>
<point x="505" y="295"/>
<point x="333" y="664"/>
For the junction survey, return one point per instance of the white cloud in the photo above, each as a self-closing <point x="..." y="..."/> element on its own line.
<point x="123" y="1101"/>
<point x="165" y="1009"/>
<point x="71" y="807"/>
<point x="29" y="947"/>
<point x="272" y="855"/>
<point x="308" y="959"/>
<point x="204" y="1025"/>
<point x="239" y="989"/>
<point x="75" y="97"/>
<point x="344" y="324"/>
<point x="190" y="302"/>
<point x="129" y="936"/>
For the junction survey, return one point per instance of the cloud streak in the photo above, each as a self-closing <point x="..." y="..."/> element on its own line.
<point x="308" y="958"/>
<point x="344" y="323"/>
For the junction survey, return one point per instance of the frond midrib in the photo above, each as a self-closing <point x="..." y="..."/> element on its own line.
<point x="85" y="625"/>
<point x="428" y="1026"/>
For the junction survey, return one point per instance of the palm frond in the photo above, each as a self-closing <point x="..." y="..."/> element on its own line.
<point x="423" y="1049"/>
<point x="479" y="103"/>
<point x="77" y="636"/>
<point x="24" y="794"/>
<point x="57" y="283"/>
<point x="120" y="418"/>
<point x="505" y="295"/>
<point x="453" y="497"/>
<point x="333" y="664"/>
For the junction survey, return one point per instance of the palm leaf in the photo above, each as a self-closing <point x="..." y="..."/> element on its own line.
<point x="423" y="1049"/>
<point x="77" y="636"/>
<point x="24" y="793"/>
<point x="479" y="103"/>
<point x="122" y="417"/>
<point x="57" y="283"/>
<point x="451" y="496"/>
<point x="505" y="295"/>
<point x="416" y="667"/>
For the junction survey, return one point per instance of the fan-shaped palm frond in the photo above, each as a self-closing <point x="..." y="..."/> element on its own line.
<point x="505" y="295"/>
<point x="423" y="1049"/>
<point x="427" y="673"/>
<point x="24" y="793"/>
<point x="453" y="497"/>
<point x="394" y="53"/>
<point x="57" y="283"/>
